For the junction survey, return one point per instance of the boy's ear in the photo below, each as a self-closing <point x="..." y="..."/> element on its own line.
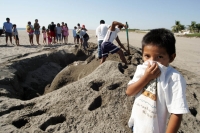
<point x="172" y="57"/>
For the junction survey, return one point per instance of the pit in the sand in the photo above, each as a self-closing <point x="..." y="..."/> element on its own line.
<point x="49" y="71"/>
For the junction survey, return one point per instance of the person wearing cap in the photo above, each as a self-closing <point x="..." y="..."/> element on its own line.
<point x="84" y="36"/>
<point x="101" y="31"/>
<point x="37" y="31"/>
<point x="108" y="47"/>
<point x="7" y="27"/>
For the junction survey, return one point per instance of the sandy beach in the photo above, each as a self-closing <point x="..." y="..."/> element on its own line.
<point x="188" y="51"/>
<point x="62" y="88"/>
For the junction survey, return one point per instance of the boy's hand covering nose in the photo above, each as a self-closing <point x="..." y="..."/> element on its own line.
<point x="152" y="71"/>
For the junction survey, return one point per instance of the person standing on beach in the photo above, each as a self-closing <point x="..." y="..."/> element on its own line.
<point x="78" y="33"/>
<point x="84" y="36"/>
<point x="74" y="34"/>
<point x="30" y="30"/>
<point x="15" y="34"/>
<point x="58" y="33"/>
<point x="49" y="37"/>
<point x="108" y="47"/>
<point x="65" y="33"/>
<point x="52" y="28"/>
<point x="62" y="34"/>
<point x="44" y="35"/>
<point x="37" y="31"/>
<point x="159" y="89"/>
<point x="101" y="31"/>
<point x="7" y="27"/>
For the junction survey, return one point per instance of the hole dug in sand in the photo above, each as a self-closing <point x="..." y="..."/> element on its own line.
<point x="28" y="76"/>
<point x="35" y="74"/>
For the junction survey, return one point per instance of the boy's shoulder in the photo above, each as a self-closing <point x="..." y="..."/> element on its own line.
<point x="174" y="74"/>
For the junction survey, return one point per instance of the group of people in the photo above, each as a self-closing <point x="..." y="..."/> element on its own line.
<point x="58" y="33"/>
<point x="10" y="30"/>
<point x="80" y="34"/>
<point x="55" y="33"/>
<point x="158" y="88"/>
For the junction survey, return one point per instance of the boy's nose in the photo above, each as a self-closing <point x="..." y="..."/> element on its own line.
<point x="153" y="59"/>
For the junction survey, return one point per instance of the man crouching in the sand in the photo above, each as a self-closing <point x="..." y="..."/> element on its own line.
<point x="108" y="47"/>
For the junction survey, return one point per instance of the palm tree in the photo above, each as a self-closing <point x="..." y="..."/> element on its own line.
<point x="198" y="27"/>
<point x="177" y="27"/>
<point x="192" y="27"/>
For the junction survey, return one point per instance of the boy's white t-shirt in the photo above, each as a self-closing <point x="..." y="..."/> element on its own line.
<point x="15" y="31"/>
<point x="171" y="89"/>
<point x="101" y="31"/>
<point x="111" y="35"/>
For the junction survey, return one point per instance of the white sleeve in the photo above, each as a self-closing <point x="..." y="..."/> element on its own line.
<point x="138" y="74"/>
<point x="175" y="95"/>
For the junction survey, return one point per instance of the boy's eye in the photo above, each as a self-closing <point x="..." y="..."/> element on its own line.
<point x="160" y="57"/>
<point x="147" y="56"/>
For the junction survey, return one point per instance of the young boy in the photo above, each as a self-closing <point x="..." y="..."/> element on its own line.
<point x="74" y="34"/>
<point x="15" y="33"/>
<point x="107" y="45"/>
<point x="159" y="89"/>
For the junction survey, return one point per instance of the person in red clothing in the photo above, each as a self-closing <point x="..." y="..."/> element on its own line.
<point x="52" y="28"/>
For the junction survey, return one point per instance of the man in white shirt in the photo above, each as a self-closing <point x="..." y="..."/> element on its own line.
<point x="7" y="27"/>
<point x="108" y="47"/>
<point x="101" y="31"/>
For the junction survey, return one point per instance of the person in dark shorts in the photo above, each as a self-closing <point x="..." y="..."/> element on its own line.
<point x="7" y="27"/>
<point x="78" y="33"/>
<point x="108" y="47"/>
<point x="37" y="31"/>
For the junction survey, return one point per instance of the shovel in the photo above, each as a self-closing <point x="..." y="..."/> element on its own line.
<point x="127" y="39"/>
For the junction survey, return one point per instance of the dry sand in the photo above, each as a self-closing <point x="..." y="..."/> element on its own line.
<point x="187" y="54"/>
<point x="188" y="51"/>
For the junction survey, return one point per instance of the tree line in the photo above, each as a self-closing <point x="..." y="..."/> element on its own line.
<point x="194" y="27"/>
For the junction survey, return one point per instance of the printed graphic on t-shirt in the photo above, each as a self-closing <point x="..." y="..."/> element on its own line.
<point x="150" y="90"/>
<point x="146" y="102"/>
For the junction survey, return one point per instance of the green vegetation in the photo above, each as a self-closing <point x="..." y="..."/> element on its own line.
<point x="194" y="28"/>
<point x="177" y="27"/>
<point x="130" y="30"/>
<point x="136" y="30"/>
<point x="192" y="35"/>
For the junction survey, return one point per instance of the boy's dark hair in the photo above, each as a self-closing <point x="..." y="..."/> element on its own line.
<point x="78" y="24"/>
<point x="29" y="22"/>
<point x="14" y="25"/>
<point x="43" y="28"/>
<point x="102" y="22"/>
<point x="161" y="38"/>
<point x="75" y="27"/>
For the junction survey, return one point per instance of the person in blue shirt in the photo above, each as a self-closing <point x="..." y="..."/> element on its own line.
<point x="7" y="27"/>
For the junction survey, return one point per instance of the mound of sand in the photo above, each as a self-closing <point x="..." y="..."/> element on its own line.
<point x="64" y="89"/>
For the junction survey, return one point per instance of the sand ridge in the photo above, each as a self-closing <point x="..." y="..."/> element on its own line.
<point x="187" y="49"/>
